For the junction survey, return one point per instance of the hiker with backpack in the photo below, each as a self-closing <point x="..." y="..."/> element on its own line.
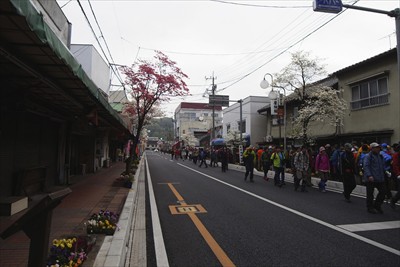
<point x="278" y="162"/>
<point x="266" y="161"/>
<point x="374" y="177"/>
<point x="322" y="168"/>
<point x="249" y="157"/>
<point x="396" y="174"/>
<point x="301" y="164"/>
<point x="348" y="167"/>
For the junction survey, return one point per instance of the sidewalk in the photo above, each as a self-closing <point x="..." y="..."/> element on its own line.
<point x="90" y="194"/>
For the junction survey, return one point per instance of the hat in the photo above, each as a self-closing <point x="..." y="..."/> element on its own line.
<point x="384" y="145"/>
<point x="327" y="145"/>
<point x="348" y="145"/>
<point x="321" y="149"/>
<point x="372" y="145"/>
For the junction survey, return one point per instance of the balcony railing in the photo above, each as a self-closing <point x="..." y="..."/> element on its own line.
<point x="370" y="102"/>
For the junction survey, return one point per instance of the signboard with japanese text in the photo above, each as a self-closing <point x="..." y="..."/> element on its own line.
<point x="274" y="106"/>
<point x="328" y="6"/>
<point x="219" y="100"/>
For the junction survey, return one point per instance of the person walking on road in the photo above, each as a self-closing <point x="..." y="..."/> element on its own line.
<point x="202" y="157"/>
<point x="249" y="157"/>
<point x="322" y="168"/>
<point x="278" y="162"/>
<point x="266" y="161"/>
<point x="396" y="174"/>
<point x="374" y="177"/>
<point x="301" y="164"/>
<point x="348" y="167"/>
<point x="223" y="156"/>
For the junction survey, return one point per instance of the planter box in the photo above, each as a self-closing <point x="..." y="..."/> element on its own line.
<point x="11" y="205"/>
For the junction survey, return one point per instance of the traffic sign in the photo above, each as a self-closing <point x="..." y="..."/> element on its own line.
<point x="219" y="100"/>
<point x="329" y="6"/>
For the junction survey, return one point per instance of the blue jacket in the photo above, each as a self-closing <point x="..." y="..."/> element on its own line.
<point x="374" y="166"/>
<point x="387" y="160"/>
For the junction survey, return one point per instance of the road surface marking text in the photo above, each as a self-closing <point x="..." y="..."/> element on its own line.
<point x="215" y="247"/>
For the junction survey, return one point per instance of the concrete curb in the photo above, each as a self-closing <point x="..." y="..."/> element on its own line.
<point x="330" y="185"/>
<point x="114" y="248"/>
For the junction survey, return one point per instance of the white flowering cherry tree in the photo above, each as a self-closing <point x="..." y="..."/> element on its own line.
<point x="316" y="102"/>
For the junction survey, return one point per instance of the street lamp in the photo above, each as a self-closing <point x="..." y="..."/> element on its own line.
<point x="273" y="95"/>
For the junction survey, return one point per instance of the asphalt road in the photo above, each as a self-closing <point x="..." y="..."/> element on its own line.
<point x="258" y="224"/>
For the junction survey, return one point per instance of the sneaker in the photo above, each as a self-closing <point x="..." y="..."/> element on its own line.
<point x="372" y="210"/>
<point x="392" y="204"/>
<point x="379" y="210"/>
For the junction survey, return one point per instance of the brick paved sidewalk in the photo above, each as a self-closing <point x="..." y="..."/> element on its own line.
<point x="90" y="194"/>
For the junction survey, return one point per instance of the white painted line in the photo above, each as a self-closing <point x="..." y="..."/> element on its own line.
<point x="331" y="226"/>
<point x="159" y="245"/>
<point x="370" y="226"/>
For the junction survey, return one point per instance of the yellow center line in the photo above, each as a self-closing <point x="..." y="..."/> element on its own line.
<point x="215" y="247"/>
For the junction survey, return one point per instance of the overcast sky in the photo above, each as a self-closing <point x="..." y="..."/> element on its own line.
<point x="238" y="41"/>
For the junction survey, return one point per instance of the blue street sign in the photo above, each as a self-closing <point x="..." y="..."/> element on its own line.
<point x="329" y="6"/>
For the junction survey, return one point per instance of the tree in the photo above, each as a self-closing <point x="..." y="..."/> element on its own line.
<point x="151" y="83"/>
<point x="316" y="101"/>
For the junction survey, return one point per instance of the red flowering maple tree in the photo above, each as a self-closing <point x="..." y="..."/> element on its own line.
<point x="151" y="83"/>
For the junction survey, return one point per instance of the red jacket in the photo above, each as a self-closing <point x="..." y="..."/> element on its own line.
<point x="396" y="164"/>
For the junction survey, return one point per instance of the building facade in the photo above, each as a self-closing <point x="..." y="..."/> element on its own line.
<point x="253" y="124"/>
<point x="195" y="120"/>
<point x="53" y="115"/>
<point x="371" y="91"/>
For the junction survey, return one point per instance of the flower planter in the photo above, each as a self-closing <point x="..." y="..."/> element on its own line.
<point x="104" y="222"/>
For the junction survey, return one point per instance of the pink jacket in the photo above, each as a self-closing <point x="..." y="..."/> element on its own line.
<point x="322" y="163"/>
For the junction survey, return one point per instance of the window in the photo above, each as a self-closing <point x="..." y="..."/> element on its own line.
<point x="188" y="116"/>
<point x="228" y="127"/>
<point x="370" y="93"/>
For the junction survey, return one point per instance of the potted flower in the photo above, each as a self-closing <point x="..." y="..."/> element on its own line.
<point x="69" y="251"/>
<point x="104" y="222"/>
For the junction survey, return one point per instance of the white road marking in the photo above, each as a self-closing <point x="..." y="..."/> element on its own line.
<point x="370" y="226"/>
<point x="331" y="226"/>
<point x="159" y="245"/>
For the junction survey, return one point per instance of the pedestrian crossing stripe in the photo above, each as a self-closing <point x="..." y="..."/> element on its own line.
<point x="370" y="226"/>
<point x="185" y="209"/>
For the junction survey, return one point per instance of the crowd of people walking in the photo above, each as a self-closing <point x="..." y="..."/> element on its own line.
<point x="376" y="166"/>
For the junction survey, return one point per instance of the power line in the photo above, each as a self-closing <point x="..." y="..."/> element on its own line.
<point x="253" y="5"/>
<point x="279" y="54"/>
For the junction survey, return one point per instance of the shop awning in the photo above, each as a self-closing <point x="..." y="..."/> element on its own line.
<point x="36" y="64"/>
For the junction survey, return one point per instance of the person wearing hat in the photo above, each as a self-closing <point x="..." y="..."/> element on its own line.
<point x="301" y="164"/>
<point x="348" y="167"/>
<point x="374" y="177"/>
<point x="266" y="161"/>
<point x="322" y="168"/>
<point x="278" y="162"/>
<point x="249" y="157"/>
<point x="387" y="158"/>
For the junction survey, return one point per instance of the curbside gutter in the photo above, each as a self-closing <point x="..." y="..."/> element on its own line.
<point x="113" y="251"/>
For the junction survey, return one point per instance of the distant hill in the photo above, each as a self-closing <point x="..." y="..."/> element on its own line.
<point x="161" y="128"/>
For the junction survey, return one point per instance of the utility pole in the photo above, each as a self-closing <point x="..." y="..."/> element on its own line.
<point x="213" y="88"/>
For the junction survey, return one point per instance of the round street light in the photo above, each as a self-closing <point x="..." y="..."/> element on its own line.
<point x="264" y="84"/>
<point x="273" y="95"/>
